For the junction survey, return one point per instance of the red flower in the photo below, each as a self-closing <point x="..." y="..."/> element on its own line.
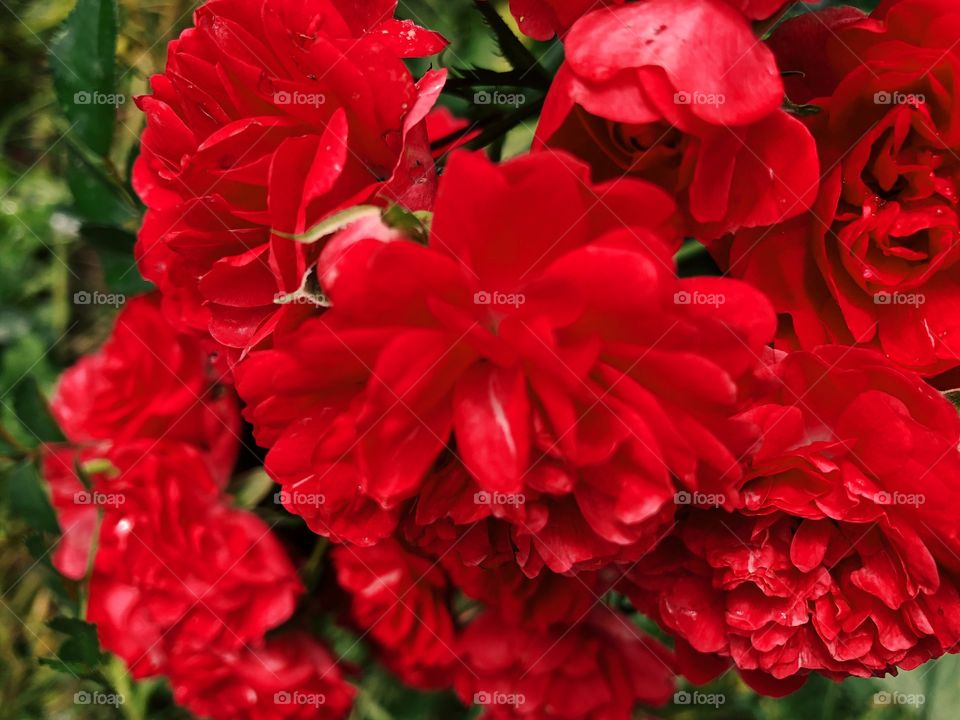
<point x="545" y="336"/>
<point x="176" y="569"/>
<point x="843" y="558"/>
<point x="646" y="91"/>
<point x="873" y="262"/>
<point x="401" y="599"/>
<point x="480" y="553"/>
<point x="150" y="381"/>
<point x="269" y="117"/>
<point x="288" y="676"/>
<point x="595" y="669"/>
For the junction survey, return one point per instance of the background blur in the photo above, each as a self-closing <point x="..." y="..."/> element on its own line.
<point x="68" y="219"/>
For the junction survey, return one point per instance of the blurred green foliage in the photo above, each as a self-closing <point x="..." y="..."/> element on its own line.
<point x="68" y="218"/>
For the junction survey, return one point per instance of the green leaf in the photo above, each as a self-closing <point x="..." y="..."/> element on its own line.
<point x="80" y="653"/>
<point x="114" y="247"/>
<point x="936" y="683"/>
<point x="33" y="412"/>
<point x="953" y="396"/>
<point x="95" y="197"/>
<point x="337" y="221"/>
<point x="800" y="110"/>
<point x="27" y="499"/>
<point x="41" y="547"/>
<point x="512" y="48"/>
<point x="84" y="71"/>
<point x="414" y="224"/>
<point x="250" y="488"/>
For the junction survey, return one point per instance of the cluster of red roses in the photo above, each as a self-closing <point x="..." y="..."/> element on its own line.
<point x="508" y="406"/>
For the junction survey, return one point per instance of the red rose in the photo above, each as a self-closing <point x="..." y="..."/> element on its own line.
<point x="646" y="91"/>
<point x="271" y="116"/>
<point x="596" y="669"/>
<point x="843" y="558"/>
<point x="288" y="676"/>
<point x="480" y="553"/>
<point x="150" y="381"/>
<point x="873" y="263"/>
<point x="176" y="568"/>
<point x="544" y="600"/>
<point x="401" y="600"/>
<point x="545" y="335"/>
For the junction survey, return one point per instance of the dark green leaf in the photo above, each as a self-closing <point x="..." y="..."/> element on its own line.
<point x="114" y="247"/>
<point x="953" y="396"/>
<point x="82" y="61"/>
<point x="33" y="412"/>
<point x="80" y="653"/>
<point x="27" y="499"/>
<point x="96" y="197"/>
<point x="40" y="547"/>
